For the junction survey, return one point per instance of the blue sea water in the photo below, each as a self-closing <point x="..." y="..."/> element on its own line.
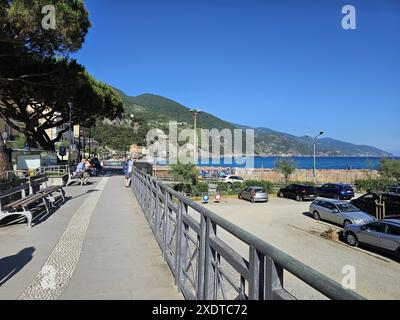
<point x="306" y="162"/>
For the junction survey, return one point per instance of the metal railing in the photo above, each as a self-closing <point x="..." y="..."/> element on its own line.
<point x="10" y="175"/>
<point x="207" y="268"/>
<point x="65" y="169"/>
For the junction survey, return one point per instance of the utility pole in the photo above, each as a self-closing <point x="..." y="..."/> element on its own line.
<point x="314" y="139"/>
<point x="70" y="134"/>
<point x="195" y="113"/>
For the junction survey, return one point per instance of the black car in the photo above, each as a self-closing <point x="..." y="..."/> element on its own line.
<point x="394" y="189"/>
<point x="367" y="203"/>
<point x="299" y="192"/>
<point x="336" y="191"/>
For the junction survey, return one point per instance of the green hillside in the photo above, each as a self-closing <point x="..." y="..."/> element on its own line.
<point x="157" y="111"/>
<point x="156" y="108"/>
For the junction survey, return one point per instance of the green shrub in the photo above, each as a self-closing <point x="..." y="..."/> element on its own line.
<point x="267" y="185"/>
<point x="374" y="184"/>
<point x="55" y="174"/>
<point x="199" y="188"/>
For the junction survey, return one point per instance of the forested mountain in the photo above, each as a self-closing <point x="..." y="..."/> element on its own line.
<point x="156" y="110"/>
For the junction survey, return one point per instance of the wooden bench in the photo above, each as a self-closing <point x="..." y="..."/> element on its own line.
<point x="12" y="192"/>
<point x="38" y="186"/>
<point x="38" y="190"/>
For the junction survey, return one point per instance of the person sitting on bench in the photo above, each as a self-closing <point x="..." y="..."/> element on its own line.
<point x="81" y="172"/>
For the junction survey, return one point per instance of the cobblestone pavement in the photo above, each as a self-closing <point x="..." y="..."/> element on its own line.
<point x="95" y="246"/>
<point x="59" y="268"/>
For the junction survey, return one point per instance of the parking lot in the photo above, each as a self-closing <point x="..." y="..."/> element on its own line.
<point x="286" y="224"/>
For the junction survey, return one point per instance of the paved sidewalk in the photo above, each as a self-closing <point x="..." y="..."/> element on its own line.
<point x="96" y="246"/>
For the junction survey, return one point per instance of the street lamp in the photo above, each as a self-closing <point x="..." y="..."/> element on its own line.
<point x="70" y="134"/>
<point x="314" y="139"/>
<point x="195" y="112"/>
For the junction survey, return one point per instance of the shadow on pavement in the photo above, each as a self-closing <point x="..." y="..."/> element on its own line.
<point x="10" y="266"/>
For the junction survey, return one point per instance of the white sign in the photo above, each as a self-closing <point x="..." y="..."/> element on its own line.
<point x="28" y="162"/>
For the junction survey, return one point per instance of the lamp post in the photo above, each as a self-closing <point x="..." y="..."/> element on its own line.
<point x="70" y="134"/>
<point x="314" y="139"/>
<point x="195" y="113"/>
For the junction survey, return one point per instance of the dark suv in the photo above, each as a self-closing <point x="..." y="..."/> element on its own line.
<point x="394" y="189"/>
<point x="367" y="203"/>
<point x="299" y="192"/>
<point x="336" y="191"/>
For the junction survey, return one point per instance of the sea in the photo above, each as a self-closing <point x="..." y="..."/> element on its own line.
<point x="301" y="162"/>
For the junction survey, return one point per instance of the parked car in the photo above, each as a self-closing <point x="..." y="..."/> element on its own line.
<point x="368" y="202"/>
<point x="336" y="191"/>
<point x="394" y="189"/>
<point x="254" y="194"/>
<point x="299" y="192"/>
<point x="381" y="234"/>
<point x="339" y="212"/>
<point x="232" y="179"/>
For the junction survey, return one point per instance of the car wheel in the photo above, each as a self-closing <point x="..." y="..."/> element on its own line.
<point x="299" y="198"/>
<point x="351" y="239"/>
<point x="346" y="223"/>
<point x="280" y="194"/>
<point x="316" y="215"/>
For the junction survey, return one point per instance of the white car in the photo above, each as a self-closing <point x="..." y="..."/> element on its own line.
<point x="232" y="179"/>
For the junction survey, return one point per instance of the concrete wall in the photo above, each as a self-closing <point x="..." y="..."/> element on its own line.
<point x="323" y="176"/>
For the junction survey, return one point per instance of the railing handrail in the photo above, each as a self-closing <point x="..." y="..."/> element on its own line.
<point x="315" y="279"/>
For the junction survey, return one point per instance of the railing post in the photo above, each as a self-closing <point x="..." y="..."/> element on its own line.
<point x="158" y="210"/>
<point x="180" y="244"/>
<point x="210" y="275"/>
<point x="166" y="226"/>
<point x="273" y="278"/>
<point x="256" y="275"/>
<point x="201" y="262"/>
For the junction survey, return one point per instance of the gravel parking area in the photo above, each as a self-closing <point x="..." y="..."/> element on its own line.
<point x="286" y="224"/>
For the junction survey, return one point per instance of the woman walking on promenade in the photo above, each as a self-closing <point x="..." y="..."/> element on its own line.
<point x="128" y="166"/>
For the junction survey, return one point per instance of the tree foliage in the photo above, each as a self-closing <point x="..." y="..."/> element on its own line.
<point x="21" y="29"/>
<point x="119" y="136"/>
<point x="285" y="167"/>
<point x="390" y="169"/>
<point x="40" y="86"/>
<point x="186" y="175"/>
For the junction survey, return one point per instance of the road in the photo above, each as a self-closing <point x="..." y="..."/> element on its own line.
<point x="284" y="223"/>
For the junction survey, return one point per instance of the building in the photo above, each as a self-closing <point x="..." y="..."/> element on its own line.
<point x="11" y="132"/>
<point x="139" y="150"/>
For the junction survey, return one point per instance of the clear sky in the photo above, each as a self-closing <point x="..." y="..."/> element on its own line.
<point x="286" y="65"/>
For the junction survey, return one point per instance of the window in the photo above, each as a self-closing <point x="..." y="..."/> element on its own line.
<point x="393" y="230"/>
<point x="347" y="207"/>
<point x="368" y="198"/>
<point x="327" y="205"/>
<point x="376" y="227"/>
<point x="261" y="191"/>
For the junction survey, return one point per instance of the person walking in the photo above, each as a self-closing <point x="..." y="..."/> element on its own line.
<point x="128" y="167"/>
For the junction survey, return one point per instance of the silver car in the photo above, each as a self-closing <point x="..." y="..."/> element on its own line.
<point x="254" y="194"/>
<point x="381" y="234"/>
<point x="339" y="212"/>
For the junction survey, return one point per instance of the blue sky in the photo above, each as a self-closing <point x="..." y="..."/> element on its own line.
<point x="286" y="65"/>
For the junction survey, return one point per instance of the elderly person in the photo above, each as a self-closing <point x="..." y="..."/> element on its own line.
<point x="81" y="172"/>
<point x="128" y="167"/>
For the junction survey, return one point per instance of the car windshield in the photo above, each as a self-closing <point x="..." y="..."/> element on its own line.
<point x="261" y="191"/>
<point x="347" y="207"/>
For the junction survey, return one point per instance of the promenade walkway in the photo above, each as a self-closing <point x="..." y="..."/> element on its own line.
<point x="97" y="245"/>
